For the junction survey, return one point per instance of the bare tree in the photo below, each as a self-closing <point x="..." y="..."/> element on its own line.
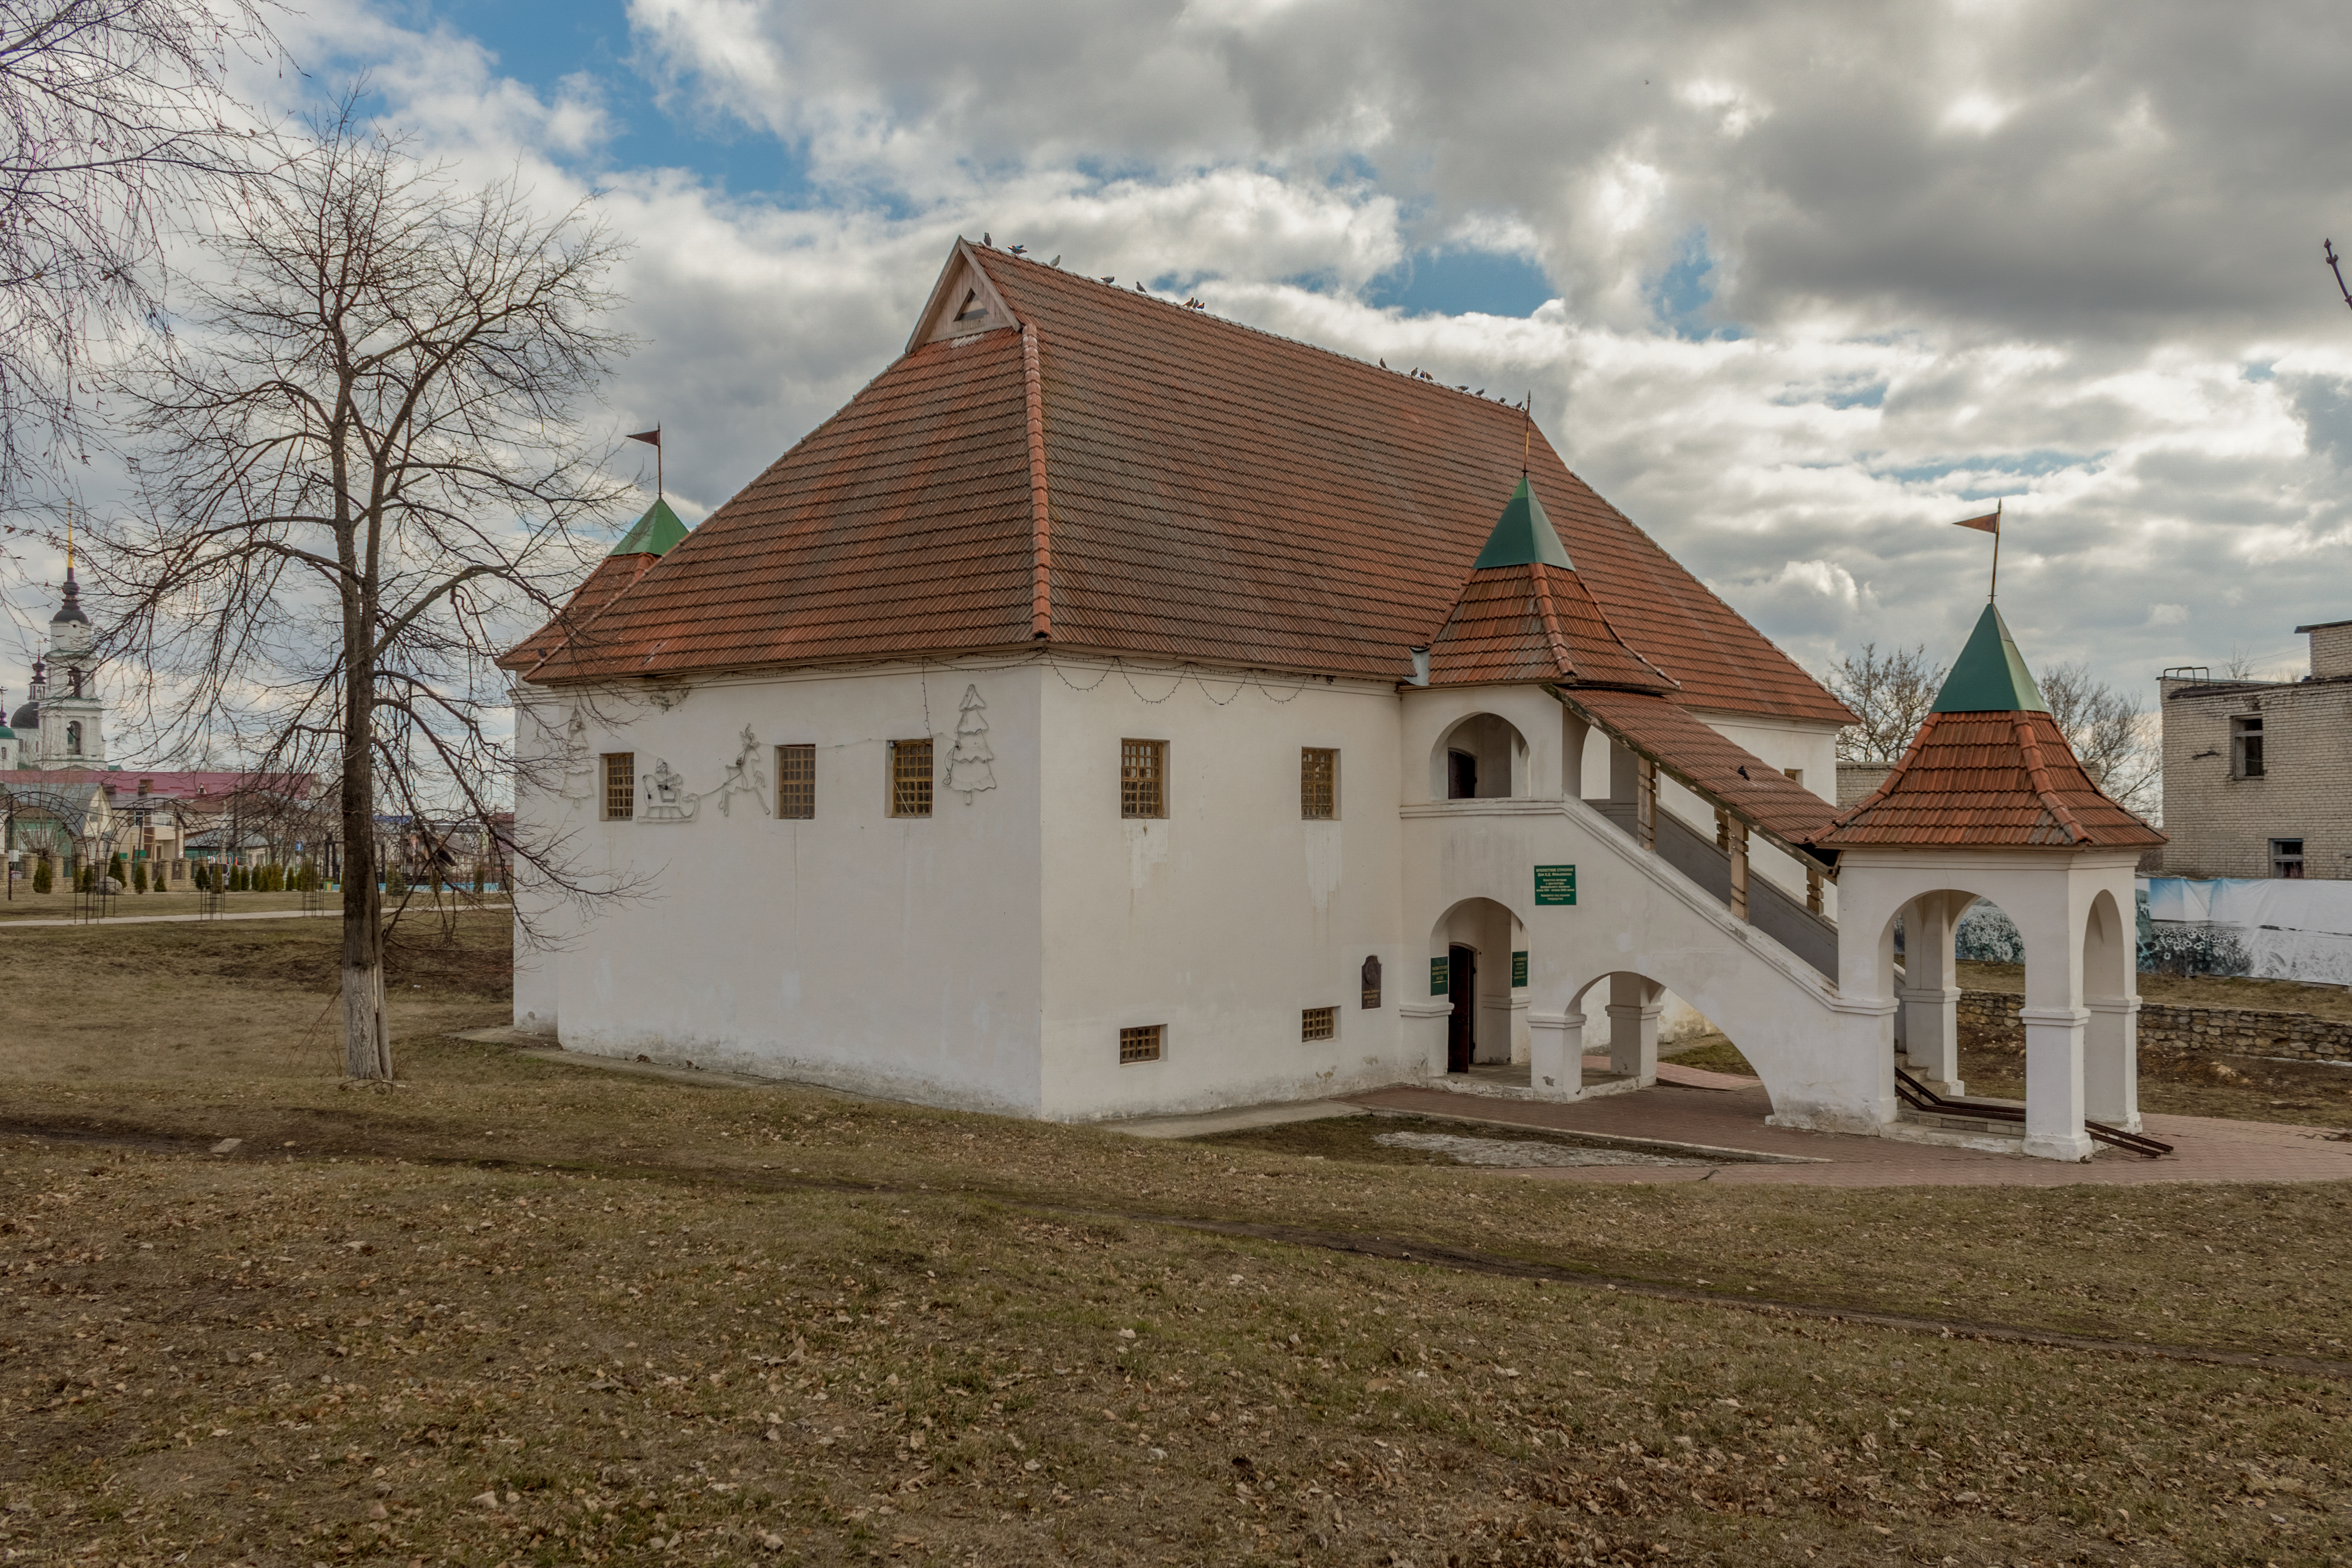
<point x="1891" y="692"/>
<point x="112" y="113"/>
<point x="2108" y="730"/>
<point x="366" y="469"/>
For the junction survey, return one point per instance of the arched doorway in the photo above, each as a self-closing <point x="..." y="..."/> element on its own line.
<point x="1461" y="1032"/>
<point x="1478" y="957"/>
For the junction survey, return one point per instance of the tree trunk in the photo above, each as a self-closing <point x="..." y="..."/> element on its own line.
<point x="367" y="1041"/>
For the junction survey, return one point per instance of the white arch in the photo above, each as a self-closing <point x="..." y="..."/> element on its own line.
<point x="2111" y="997"/>
<point x="1494" y="1015"/>
<point x="1495" y="753"/>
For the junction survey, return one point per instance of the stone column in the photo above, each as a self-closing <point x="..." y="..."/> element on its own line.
<point x="1930" y="998"/>
<point x="1633" y="1009"/>
<point x="2111" y="1062"/>
<point x="1424" y="1027"/>
<point x="2054" y="1082"/>
<point x="1556" y="1055"/>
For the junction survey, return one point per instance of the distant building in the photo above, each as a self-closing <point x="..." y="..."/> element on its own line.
<point x="2258" y="774"/>
<point x="61" y="800"/>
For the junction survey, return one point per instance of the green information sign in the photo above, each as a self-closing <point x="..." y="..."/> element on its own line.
<point x="1555" y="884"/>
<point x="1437" y="977"/>
<point x="1519" y="969"/>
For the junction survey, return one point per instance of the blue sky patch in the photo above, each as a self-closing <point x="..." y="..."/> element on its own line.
<point x="1462" y="282"/>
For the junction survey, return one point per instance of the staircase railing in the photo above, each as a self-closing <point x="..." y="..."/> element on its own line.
<point x="1919" y="1097"/>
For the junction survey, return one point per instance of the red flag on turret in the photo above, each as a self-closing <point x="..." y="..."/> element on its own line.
<point x="1988" y="524"/>
<point x="650" y="437"/>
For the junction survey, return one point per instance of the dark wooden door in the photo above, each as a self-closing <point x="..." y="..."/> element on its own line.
<point x="1462" y="989"/>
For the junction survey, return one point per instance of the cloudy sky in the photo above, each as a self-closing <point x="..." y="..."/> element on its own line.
<point x="1793" y="285"/>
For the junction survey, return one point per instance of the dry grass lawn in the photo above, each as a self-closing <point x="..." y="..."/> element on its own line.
<point x="520" y="1312"/>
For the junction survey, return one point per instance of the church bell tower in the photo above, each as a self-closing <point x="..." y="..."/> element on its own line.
<point x="73" y="718"/>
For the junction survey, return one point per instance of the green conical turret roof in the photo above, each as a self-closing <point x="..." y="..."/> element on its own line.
<point x="1990" y="675"/>
<point x="655" y="533"/>
<point x="1523" y="536"/>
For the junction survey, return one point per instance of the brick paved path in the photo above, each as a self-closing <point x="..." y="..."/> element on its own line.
<point x="2208" y="1149"/>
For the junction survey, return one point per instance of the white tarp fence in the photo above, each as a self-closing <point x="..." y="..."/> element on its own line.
<point x="2271" y="928"/>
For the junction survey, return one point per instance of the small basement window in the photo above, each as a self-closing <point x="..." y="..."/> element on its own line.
<point x="1141" y="1044"/>
<point x="796" y="782"/>
<point x="1318" y="784"/>
<point x="2246" y="746"/>
<point x="1319" y="1023"/>
<point x="620" y="786"/>
<point x="911" y="778"/>
<point x="1142" y="777"/>
<point x="2286" y="859"/>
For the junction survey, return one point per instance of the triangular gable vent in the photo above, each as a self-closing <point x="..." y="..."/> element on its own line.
<point x="963" y="302"/>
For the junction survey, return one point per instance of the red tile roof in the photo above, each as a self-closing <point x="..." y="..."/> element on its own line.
<point x="571" y="623"/>
<point x="1127" y="476"/>
<point x="1534" y="622"/>
<point x="166" y="784"/>
<point x="1989" y="781"/>
<point x="1723" y="771"/>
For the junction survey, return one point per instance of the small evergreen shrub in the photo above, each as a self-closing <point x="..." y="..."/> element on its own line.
<point x="43" y="878"/>
<point x="139" y="876"/>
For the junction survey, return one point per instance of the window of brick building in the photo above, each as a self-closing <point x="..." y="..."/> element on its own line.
<point x="1142" y="777"/>
<point x="620" y="786"/>
<point x="911" y="778"/>
<point x="1141" y="1044"/>
<point x="2246" y="746"/>
<point x="1318" y="784"/>
<point x="1319" y="1023"/>
<point x="2287" y="858"/>
<point x="797" y="782"/>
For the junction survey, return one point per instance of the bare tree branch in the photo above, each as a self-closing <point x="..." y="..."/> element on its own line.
<point x="2110" y="734"/>
<point x="114" y="115"/>
<point x="366" y="477"/>
<point x="1891" y="692"/>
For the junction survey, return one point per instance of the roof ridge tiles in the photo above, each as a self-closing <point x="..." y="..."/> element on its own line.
<point x="1041" y="589"/>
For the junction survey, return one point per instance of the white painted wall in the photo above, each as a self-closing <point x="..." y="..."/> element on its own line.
<point x="1225" y="920"/>
<point x="989" y="955"/>
<point x="896" y="956"/>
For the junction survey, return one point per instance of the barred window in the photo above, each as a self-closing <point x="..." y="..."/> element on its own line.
<point x="1319" y="1023"/>
<point x="911" y="778"/>
<point x="1139" y="1044"/>
<point x="1142" y="777"/>
<point x="1318" y="784"/>
<point x="797" y="782"/>
<point x="620" y="786"/>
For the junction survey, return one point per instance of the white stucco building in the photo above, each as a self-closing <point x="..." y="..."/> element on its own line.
<point x="1113" y="710"/>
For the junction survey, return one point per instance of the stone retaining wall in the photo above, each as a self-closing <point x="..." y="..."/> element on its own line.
<point x="2240" y="1031"/>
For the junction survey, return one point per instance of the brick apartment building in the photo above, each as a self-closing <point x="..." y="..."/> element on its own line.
<point x="2258" y="774"/>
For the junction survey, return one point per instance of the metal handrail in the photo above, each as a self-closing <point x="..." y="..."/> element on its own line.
<point x="1919" y="1097"/>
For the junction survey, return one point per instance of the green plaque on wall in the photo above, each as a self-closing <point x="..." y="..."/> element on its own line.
<point x="1519" y="968"/>
<point x="1555" y="884"/>
<point x="1437" y="977"/>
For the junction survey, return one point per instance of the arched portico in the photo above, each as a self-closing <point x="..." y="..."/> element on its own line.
<point x="2066" y="908"/>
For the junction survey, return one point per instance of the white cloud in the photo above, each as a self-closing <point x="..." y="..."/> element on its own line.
<point x="2065" y="254"/>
